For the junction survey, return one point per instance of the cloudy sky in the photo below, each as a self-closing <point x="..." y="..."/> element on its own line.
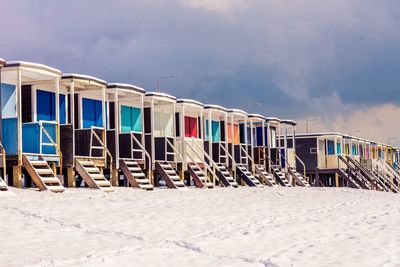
<point x="335" y="61"/>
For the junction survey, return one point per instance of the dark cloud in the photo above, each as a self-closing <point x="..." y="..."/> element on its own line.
<point x="280" y="58"/>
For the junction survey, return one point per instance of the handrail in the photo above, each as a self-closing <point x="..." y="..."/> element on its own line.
<point x="56" y="146"/>
<point x="93" y="133"/>
<point x="197" y="154"/>
<point x="248" y="156"/>
<point x="229" y="156"/>
<point x="388" y="171"/>
<point x="146" y="154"/>
<point x="341" y="158"/>
<point x="301" y="162"/>
<point x="210" y="160"/>
<point x="173" y="148"/>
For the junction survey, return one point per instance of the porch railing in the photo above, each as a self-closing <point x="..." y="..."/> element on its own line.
<point x="102" y="147"/>
<point x="144" y="154"/>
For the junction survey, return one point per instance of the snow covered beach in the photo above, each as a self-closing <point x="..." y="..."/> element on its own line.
<point x="219" y="227"/>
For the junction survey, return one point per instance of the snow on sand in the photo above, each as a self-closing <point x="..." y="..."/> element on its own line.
<point x="221" y="227"/>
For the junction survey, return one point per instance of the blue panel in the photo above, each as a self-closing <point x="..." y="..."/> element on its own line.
<point x="46" y="109"/>
<point x="92" y="113"/>
<point x="283" y="158"/>
<point x="97" y="112"/>
<point x="30" y="138"/>
<point x="62" y="109"/>
<point x="331" y="147"/>
<point x="51" y="130"/>
<point x="9" y="133"/>
<point x="8" y="100"/>
<point x="87" y="113"/>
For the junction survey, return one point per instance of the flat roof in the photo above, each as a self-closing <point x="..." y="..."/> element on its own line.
<point x="257" y="116"/>
<point x="11" y="64"/>
<point x="273" y="119"/>
<point x="2" y="62"/>
<point x="211" y="106"/>
<point x="238" y="111"/>
<point x="189" y="101"/>
<point x="291" y="122"/>
<point x="82" y="77"/>
<point x="125" y="86"/>
<point x="159" y="94"/>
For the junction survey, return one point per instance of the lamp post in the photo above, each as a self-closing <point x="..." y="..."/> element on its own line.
<point x="162" y="78"/>
<point x="309" y="120"/>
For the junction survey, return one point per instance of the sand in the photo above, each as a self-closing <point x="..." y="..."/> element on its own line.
<point x="221" y="227"/>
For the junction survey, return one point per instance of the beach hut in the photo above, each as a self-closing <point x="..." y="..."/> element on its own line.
<point x="259" y="143"/>
<point x="239" y="126"/>
<point x="275" y="149"/>
<point x="125" y="135"/>
<point x="160" y="139"/>
<point x="216" y="145"/>
<point x="30" y="119"/>
<point x="3" y="179"/>
<point x="83" y="132"/>
<point x="198" y="165"/>
<point x="293" y="165"/>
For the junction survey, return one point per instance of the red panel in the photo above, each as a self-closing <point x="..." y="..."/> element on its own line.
<point x="190" y="127"/>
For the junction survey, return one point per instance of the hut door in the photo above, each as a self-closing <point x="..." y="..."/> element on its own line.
<point x="321" y="154"/>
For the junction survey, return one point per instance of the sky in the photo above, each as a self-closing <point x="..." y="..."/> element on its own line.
<point x="335" y="63"/>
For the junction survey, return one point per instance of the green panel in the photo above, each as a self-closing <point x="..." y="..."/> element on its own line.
<point x="136" y="120"/>
<point x="216" y="131"/>
<point x="126" y="119"/>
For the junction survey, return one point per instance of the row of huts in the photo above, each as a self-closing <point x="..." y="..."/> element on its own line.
<point x="67" y="130"/>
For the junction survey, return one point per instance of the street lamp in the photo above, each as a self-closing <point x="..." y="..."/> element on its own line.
<point x="309" y="120"/>
<point x="163" y="77"/>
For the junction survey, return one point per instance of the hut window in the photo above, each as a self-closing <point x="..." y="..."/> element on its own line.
<point x="92" y="113"/>
<point x="339" y="148"/>
<point x="331" y="147"/>
<point x="130" y="119"/>
<point x="236" y="139"/>
<point x="8" y="101"/>
<point x="190" y="127"/>
<point x="163" y="125"/>
<point x="313" y="150"/>
<point x="45" y="102"/>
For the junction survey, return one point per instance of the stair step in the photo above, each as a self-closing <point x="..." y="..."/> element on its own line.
<point x="104" y="183"/>
<point x="38" y="163"/>
<point x="44" y="171"/>
<point x="134" y="169"/>
<point x="93" y="170"/>
<point x="50" y="180"/>
<point x="146" y="186"/>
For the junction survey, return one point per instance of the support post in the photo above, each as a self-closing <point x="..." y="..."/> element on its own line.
<point x="17" y="176"/>
<point x="71" y="177"/>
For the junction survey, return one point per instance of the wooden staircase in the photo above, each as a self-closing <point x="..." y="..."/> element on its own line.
<point x="280" y="177"/>
<point x="299" y="179"/>
<point x="265" y="176"/>
<point x="225" y="177"/>
<point x="349" y="179"/>
<point x="134" y="174"/>
<point x="247" y="177"/>
<point x="92" y="175"/>
<point x="169" y="175"/>
<point x="199" y="176"/>
<point x="41" y="173"/>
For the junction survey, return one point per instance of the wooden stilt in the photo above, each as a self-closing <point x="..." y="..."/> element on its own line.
<point x="71" y="177"/>
<point x="17" y="176"/>
<point x="115" y="177"/>
<point x="336" y="180"/>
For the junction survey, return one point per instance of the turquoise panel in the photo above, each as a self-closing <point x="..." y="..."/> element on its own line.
<point x="62" y="109"/>
<point x="9" y="133"/>
<point x="339" y="148"/>
<point x="136" y="120"/>
<point x="216" y="131"/>
<point x="126" y="119"/>
<point x="8" y="100"/>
